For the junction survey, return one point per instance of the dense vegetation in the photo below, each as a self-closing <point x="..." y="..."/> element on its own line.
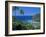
<point x="20" y="25"/>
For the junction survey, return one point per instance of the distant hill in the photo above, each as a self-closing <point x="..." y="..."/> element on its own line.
<point x="36" y="17"/>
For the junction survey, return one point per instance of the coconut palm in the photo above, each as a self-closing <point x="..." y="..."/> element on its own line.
<point x="18" y="9"/>
<point x="15" y="8"/>
<point x="21" y="12"/>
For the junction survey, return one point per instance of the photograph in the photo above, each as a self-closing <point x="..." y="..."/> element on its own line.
<point x="24" y="18"/>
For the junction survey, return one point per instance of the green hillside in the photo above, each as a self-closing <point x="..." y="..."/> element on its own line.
<point x="36" y="17"/>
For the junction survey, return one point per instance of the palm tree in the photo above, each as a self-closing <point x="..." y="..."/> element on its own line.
<point x="15" y="8"/>
<point x="18" y="9"/>
<point x="21" y="12"/>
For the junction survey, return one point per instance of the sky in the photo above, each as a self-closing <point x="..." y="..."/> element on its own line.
<point x="28" y="11"/>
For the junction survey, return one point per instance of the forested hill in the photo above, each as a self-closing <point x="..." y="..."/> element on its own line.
<point x="36" y="17"/>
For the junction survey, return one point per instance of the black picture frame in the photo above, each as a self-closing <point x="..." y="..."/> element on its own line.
<point x="6" y="17"/>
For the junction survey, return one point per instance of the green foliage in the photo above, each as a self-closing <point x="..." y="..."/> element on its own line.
<point x="14" y="26"/>
<point x="15" y="8"/>
<point x="38" y="27"/>
<point x="20" y="25"/>
<point x="13" y="18"/>
<point x="21" y="11"/>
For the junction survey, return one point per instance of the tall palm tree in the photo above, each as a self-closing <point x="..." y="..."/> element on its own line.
<point x="21" y="12"/>
<point x="18" y="9"/>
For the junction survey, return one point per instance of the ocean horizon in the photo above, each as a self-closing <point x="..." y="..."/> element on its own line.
<point x="23" y="17"/>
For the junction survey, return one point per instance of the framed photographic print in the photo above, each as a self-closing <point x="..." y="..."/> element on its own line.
<point x="24" y="18"/>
